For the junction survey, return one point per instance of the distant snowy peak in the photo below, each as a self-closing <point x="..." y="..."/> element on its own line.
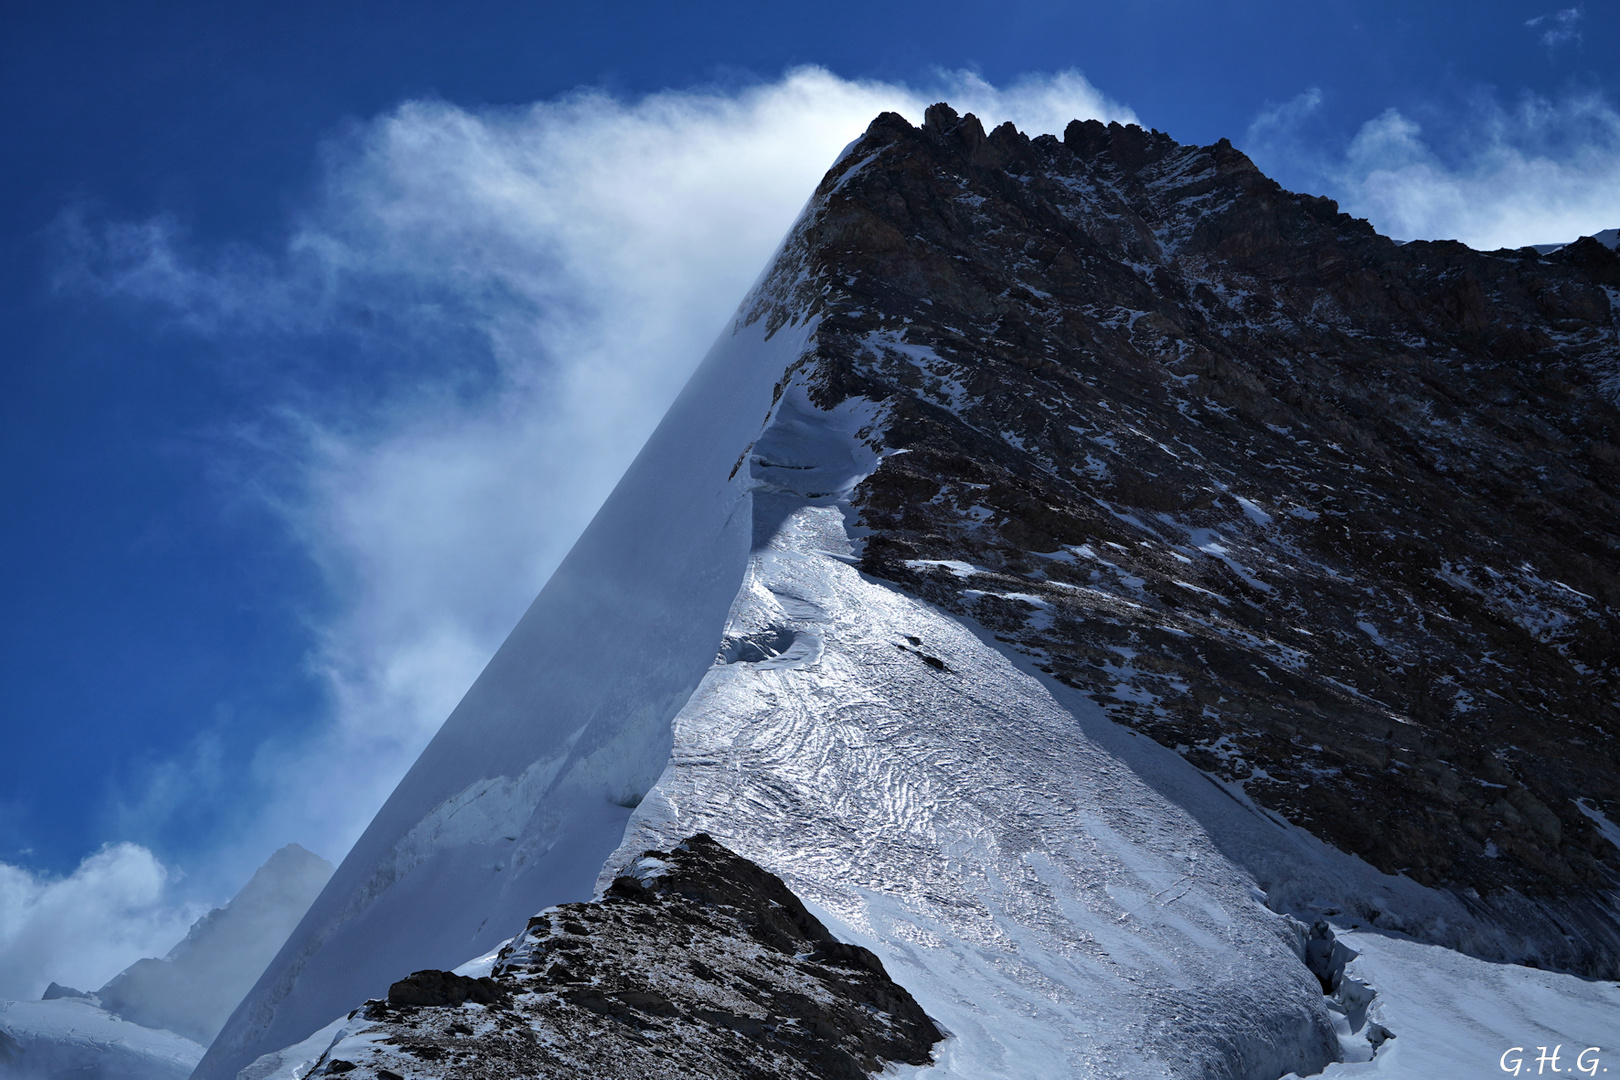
<point x="1609" y="238"/>
<point x="153" y="1020"/>
<point x="69" y="1038"/>
<point x="193" y="989"/>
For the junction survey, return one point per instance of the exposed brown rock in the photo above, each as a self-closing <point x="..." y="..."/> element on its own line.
<point x="444" y="988"/>
<point x="1334" y="517"/>
<point x="697" y="962"/>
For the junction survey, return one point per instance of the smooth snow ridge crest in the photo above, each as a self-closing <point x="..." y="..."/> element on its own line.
<point x="71" y="1037"/>
<point x="527" y="787"/>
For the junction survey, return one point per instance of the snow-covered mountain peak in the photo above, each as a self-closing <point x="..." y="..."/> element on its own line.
<point x="1096" y="580"/>
<point x="153" y="1020"/>
<point x="192" y="990"/>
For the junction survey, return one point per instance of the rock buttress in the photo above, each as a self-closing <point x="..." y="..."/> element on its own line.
<point x="696" y="962"/>
<point x="1331" y="516"/>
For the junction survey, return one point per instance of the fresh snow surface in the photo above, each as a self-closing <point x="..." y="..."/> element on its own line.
<point x="298" y="1060"/>
<point x="1459" y="1018"/>
<point x="527" y="788"/>
<point x="71" y="1037"/>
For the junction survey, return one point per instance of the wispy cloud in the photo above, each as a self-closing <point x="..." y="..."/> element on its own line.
<point x="1538" y="171"/>
<point x="1559" y="28"/>
<point x="1283" y="121"/>
<point x="509" y="299"/>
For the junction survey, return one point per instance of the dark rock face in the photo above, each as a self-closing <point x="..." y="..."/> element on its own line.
<point x="697" y="962"/>
<point x="57" y="990"/>
<point x="444" y="988"/>
<point x="1335" y="518"/>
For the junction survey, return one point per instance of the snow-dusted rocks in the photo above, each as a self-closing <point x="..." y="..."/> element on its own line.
<point x="696" y="963"/>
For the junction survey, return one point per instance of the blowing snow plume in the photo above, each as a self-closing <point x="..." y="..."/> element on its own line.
<point x="453" y="385"/>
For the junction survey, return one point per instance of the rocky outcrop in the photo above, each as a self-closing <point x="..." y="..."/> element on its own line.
<point x="696" y="962"/>
<point x="1332" y="516"/>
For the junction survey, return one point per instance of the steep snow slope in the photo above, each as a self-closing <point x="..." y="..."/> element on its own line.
<point x="526" y="789"/>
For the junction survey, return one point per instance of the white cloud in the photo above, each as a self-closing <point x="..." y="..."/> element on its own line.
<point x="1281" y="121"/>
<point x="83" y="929"/>
<point x="526" y="290"/>
<point x="1541" y="173"/>
<point x="1537" y="172"/>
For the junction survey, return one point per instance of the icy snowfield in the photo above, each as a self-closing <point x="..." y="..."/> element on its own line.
<point x="1040" y="901"/>
<point x="1044" y="903"/>
<point x="1459" y="1017"/>
<point x="1065" y="897"/>
<point x="70" y="1037"/>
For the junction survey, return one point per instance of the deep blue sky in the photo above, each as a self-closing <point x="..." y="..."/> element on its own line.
<point x="143" y="598"/>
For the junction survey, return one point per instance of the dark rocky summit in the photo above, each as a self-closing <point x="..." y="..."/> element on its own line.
<point x="696" y="962"/>
<point x="1333" y="517"/>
